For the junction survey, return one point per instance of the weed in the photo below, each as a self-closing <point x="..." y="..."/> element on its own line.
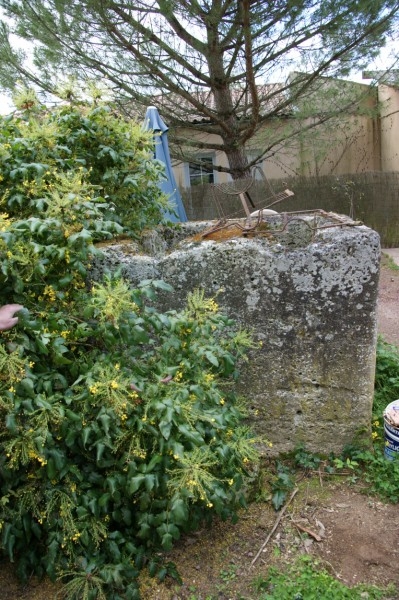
<point x="283" y="482"/>
<point x="306" y="579"/>
<point x="305" y="459"/>
<point x="341" y="463"/>
<point x="389" y="262"/>
<point x="382" y="475"/>
<point x="386" y="377"/>
<point x="229" y="573"/>
<point x="286" y="473"/>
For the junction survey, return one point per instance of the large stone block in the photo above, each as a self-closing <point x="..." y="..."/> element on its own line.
<point x="309" y="293"/>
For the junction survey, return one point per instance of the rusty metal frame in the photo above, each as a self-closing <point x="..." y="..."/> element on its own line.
<point x="251" y="225"/>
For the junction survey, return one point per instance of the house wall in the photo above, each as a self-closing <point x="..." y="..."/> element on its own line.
<point x="389" y="99"/>
<point x="350" y="144"/>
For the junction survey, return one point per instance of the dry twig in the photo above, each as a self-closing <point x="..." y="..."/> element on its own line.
<point x="308" y="531"/>
<point x="276" y="524"/>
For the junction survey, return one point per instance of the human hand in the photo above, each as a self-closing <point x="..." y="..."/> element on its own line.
<point x="7" y="319"/>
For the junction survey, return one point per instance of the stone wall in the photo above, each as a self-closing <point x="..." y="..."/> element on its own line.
<point x="308" y="290"/>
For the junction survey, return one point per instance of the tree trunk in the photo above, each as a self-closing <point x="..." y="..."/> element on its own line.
<point x="230" y="134"/>
<point x="238" y="163"/>
<point x="227" y="121"/>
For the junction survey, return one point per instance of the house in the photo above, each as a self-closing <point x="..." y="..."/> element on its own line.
<point x="363" y="138"/>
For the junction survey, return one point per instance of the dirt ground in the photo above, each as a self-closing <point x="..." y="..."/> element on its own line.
<point x="388" y="301"/>
<point x="358" y="543"/>
<point x="355" y="536"/>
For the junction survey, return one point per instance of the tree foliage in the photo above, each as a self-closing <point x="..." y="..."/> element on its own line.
<point x="209" y="65"/>
<point x="118" y="426"/>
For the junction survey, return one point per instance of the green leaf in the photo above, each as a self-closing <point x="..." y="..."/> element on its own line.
<point x="135" y="483"/>
<point x="144" y="532"/>
<point x="82" y="235"/>
<point x="51" y="469"/>
<point x="73" y="416"/>
<point x="86" y="435"/>
<point x="165" y="428"/>
<point x="104" y="499"/>
<point x="100" y="451"/>
<point x="278" y="498"/>
<point x="152" y="568"/>
<point x="191" y="434"/>
<point x="167" y="541"/>
<point x="212" y="358"/>
<point x="149" y="481"/>
<point x="11" y="423"/>
<point x="59" y="458"/>
<point x="93" y="505"/>
<point x="156" y="459"/>
<point x="162" y="285"/>
<point x="179" y="511"/>
<point x="140" y="335"/>
<point x="177" y="448"/>
<point x="105" y="422"/>
<point x="114" y="551"/>
<point x="42" y="341"/>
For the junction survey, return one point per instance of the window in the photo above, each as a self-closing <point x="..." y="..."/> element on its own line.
<point x="199" y="174"/>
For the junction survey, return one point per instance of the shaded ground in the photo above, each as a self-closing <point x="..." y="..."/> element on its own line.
<point x="358" y="536"/>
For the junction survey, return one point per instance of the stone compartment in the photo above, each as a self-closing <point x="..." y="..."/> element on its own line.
<point x="307" y="288"/>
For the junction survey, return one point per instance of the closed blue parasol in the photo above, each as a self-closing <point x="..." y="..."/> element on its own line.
<point x="169" y="187"/>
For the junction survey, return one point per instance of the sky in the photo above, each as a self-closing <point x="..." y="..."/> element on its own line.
<point x="5" y="104"/>
<point x="383" y="63"/>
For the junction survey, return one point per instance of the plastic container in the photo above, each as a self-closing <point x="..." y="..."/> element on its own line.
<point x="391" y="433"/>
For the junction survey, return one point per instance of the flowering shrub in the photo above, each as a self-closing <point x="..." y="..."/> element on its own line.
<point x="39" y="149"/>
<point x="119" y="428"/>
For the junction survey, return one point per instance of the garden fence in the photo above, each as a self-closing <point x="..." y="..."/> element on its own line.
<point x="371" y="197"/>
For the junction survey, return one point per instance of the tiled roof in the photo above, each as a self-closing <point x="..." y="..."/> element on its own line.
<point x="270" y="98"/>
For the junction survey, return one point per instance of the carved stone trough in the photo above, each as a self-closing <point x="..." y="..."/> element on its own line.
<point x="306" y="285"/>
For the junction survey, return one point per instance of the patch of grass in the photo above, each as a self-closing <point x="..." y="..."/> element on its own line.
<point x="386" y="377"/>
<point x="388" y="261"/>
<point x="277" y="483"/>
<point x="382" y="475"/>
<point x="228" y="573"/>
<point x="306" y="579"/>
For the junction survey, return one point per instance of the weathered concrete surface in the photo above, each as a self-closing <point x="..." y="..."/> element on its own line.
<point x="311" y="301"/>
